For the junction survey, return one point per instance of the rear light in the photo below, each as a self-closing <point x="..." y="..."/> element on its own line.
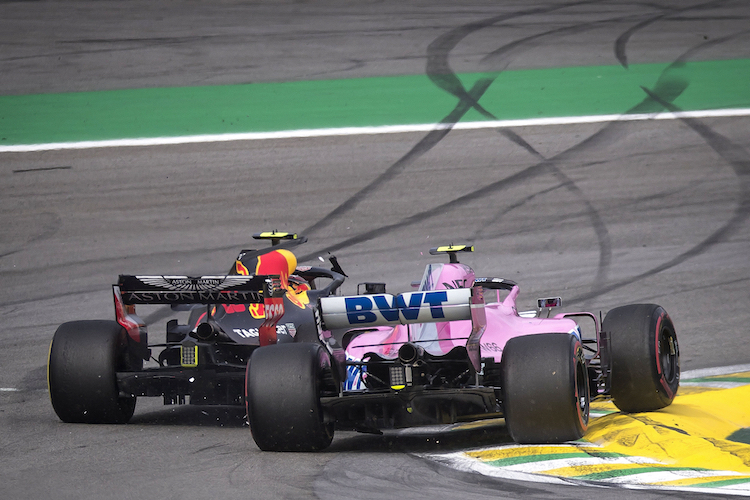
<point x="398" y="377"/>
<point x="189" y="355"/>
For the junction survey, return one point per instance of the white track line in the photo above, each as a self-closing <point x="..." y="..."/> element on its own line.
<point x="713" y="372"/>
<point x="386" y="129"/>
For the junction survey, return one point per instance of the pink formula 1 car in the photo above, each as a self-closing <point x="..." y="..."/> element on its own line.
<point x="457" y="350"/>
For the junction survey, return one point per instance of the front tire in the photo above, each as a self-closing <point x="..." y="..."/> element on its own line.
<point x="82" y="373"/>
<point x="283" y="386"/>
<point x="645" y="357"/>
<point x="545" y="388"/>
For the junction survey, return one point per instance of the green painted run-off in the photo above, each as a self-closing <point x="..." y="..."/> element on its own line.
<point x="397" y="100"/>
<point x="543" y="457"/>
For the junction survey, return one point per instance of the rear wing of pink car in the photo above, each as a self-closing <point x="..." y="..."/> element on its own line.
<point x="432" y="306"/>
<point x="389" y="310"/>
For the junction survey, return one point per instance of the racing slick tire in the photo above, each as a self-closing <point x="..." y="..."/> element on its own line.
<point x="283" y="385"/>
<point x="84" y="358"/>
<point x="545" y="388"/>
<point x="645" y="357"/>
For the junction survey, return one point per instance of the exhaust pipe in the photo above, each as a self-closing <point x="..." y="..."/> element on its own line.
<point x="410" y="353"/>
<point x="206" y="331"/>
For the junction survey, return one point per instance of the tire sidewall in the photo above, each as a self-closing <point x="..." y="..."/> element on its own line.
<point x="282" y="397"/>
<point x="639" y="335"/>
<point x="545" y="388"/>
<point x="83" y="361"/>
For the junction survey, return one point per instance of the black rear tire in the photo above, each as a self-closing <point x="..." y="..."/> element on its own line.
<point x="645" y="357"/>
<point x="283" y="386"/>
<point x="82" y="373"/>
<point x="545" y="388"/>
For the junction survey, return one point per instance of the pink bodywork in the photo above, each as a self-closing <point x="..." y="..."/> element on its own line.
<point x="503" y="323"/>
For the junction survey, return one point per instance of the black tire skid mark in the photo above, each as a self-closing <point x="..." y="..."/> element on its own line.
<point x="496" y="57"/>
<point x="740" y="161"/>
<point x="650" y="422"/>
<point x="598" y="225"/>
<point x="633" y="202"/>
<point x="11" y="252"/>
<point x="441" y="74"/>
<point x="439" y="71"/>
<point x="443" y="77"/>
<point x="448" y="81"/>
<point x="508" y="209"/>
<point x="597" y="222"/>
<point x="423" y="146"/>
<point x="608" y="133"/>
<point x="509" y="181"/>
<point x="544" y="166"/>
<point x="734" y="155"/>
<point x="600" y="229"/>
<point x="668" y="90"/>
<point x="624" y="38"/>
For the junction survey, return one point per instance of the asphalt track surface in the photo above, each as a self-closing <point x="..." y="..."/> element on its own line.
<point x="603" y="214"/>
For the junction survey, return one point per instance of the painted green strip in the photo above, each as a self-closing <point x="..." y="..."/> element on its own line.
<point x="740" y="436"/>
<point x="739" y="380"/>
<point x="525" y="459"/>
<point x="722" y="483"/>
<point x="631" y="472"/>
<point x="398" y="100"/>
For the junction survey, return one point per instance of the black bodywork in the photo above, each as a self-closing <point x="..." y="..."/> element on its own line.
<point x="204" y="361"/>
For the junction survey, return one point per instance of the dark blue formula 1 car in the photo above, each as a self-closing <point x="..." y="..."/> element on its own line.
<point x="98" y="368"/>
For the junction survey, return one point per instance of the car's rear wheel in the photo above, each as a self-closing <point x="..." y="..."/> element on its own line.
<point x="645" y="357"/>
<point x="283" y="386"/>
<point x="82" y="370"/>
<point x="545" y="388"/>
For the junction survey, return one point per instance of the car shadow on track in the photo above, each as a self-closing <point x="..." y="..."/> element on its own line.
<point x="192" y="416"/>
<point x="426" y="439"/>
<point x="413" y="440"/>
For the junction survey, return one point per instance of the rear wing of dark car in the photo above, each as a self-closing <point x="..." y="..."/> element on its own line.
<point x="221" y="289"/>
